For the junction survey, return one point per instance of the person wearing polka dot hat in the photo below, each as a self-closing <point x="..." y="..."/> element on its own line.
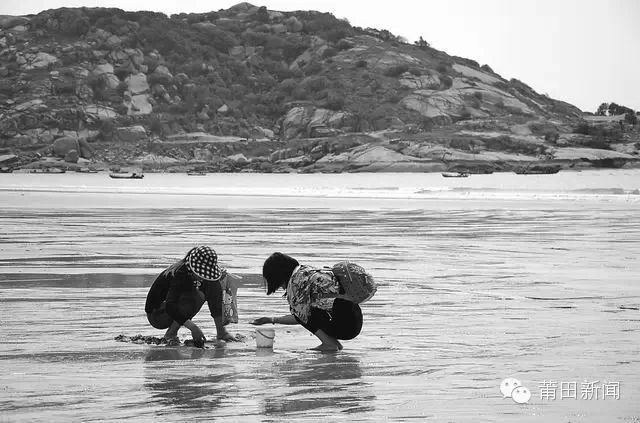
<point x="179" y="292"/>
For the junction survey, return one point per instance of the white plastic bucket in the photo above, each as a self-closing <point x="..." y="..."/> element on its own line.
<point x="264" y="337"/>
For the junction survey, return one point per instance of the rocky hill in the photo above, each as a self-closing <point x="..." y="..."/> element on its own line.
<point x="250" y="89"/>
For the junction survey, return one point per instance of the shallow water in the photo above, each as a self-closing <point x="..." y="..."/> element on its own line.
<point x="536" y="281"/>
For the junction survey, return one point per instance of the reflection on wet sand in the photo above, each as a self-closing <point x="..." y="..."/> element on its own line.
<point x="467" y="298"/>
<point x="198" y="388"/>
<point x="179" y="353"/>
<point x="327" y="381"/>
<point x="301" y="383"/>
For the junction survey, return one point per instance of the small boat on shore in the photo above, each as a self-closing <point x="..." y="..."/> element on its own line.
<point x="196" y="173"/>
<point x="455" y="174"/>
<point x="126" y="176"/>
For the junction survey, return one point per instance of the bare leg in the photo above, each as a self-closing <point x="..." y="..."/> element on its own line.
<point x="329" y="343"/>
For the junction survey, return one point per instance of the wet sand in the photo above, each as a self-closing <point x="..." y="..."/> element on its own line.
<point x="468" y="296"/>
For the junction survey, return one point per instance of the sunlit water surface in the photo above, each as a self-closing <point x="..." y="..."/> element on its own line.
<point x="495" y="276"/>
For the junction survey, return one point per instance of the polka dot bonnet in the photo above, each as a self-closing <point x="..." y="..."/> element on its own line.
<point x="203" y="262"/>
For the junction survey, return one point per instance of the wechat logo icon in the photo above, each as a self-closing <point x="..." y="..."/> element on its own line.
<point x="512" y="388"/>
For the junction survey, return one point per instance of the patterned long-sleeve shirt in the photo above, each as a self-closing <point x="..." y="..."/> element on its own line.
<point x="310" y="287"/>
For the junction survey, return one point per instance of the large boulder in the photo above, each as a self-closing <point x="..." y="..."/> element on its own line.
<point x="161" y="75"/>
<point x="136" y="56"/>
<point x="104" y="71"/>
<point x="99" y="112"/>
<point x="238" y="158"/>
<point x="463" y="97"/>
<point x="258" y="132"/>
<point x="103" y="68"/>
<point x="72" y="156"/>
<point x="375" y="154"/>
<point x="138" y="105"/>
<point x="309" y="122"/>
<point x="62" y="146"/>
<point x="8" y="159"/>
<point x="39" y="60"/>
<point x="8" y="21"/>
<point x="475" y="74"/>
<point x="154" y="159"/>
<point x="313" y="53"/>
<point x="137" y="83"/>
<point x="202" y="154"/>
<point x="421" y="82"/>
<point x="131" y="133"/>
<point x="19" y="141"/>
<point x="389" y="60"/>
<point x="572" y="153"/>
<point x="86" y="151"/>
<point x="31" y="105"/>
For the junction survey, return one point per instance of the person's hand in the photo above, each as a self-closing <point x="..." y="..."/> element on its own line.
<point x="262" y="321"/>
<point x="198" y="337"/>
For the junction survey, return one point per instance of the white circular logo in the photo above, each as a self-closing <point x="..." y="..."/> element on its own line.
<point x="521" y="395"/>
<point x="508" y="385"/>
<point x="512" y="388"/>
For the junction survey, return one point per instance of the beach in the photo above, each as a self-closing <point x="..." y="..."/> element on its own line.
<point x="494" y="276"/>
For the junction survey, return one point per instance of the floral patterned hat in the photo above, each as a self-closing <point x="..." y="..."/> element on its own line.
<point x="202" y="261"/>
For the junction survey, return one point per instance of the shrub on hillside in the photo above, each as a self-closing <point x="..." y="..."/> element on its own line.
<point x="613" y="132"/>
<point x="325" y="25"/>
<point x="156" y="127"/>
<point x="288" y="85"/>
<point x="426" y="124"/>
<point x="508" y="144"/>
<point x="334" y="100"/>
<point x="487" y="68"/>
<point x="446" y="82"/>
<point x="443" y="68"/>
<point x="312" y="68"/>
<point x="315" y="83"/>
<point x="329" y="52"/>
<point x="344" y="45"/>
<point x="107" y="129"/>
<point x="396" y="70"/>
<point x="293" y="48"/>
<point x="73" y="22"/>
<point x="7" y="87"/>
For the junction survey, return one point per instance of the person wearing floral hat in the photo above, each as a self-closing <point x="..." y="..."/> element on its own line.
<point x="179" y="292"/>
<point x="318" y="300"/>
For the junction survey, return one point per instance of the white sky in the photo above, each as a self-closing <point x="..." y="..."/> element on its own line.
<point x="584" y="52"/>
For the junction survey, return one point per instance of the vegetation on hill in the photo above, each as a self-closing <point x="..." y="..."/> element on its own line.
<point x="93" y="74"/>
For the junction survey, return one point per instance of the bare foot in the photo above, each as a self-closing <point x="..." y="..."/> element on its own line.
<point x="327" y="348"/>
<point x="172" y="332"/>
<point x="172" y="341"/>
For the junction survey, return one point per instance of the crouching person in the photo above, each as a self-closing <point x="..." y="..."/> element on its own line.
<point x="321" y="300"/>
<point x="179" y="292"/>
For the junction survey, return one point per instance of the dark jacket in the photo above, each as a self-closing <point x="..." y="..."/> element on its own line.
<point x="171" y="288"/>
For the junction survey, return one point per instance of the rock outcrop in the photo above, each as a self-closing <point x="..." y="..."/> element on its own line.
<point x="251" y="89"/>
